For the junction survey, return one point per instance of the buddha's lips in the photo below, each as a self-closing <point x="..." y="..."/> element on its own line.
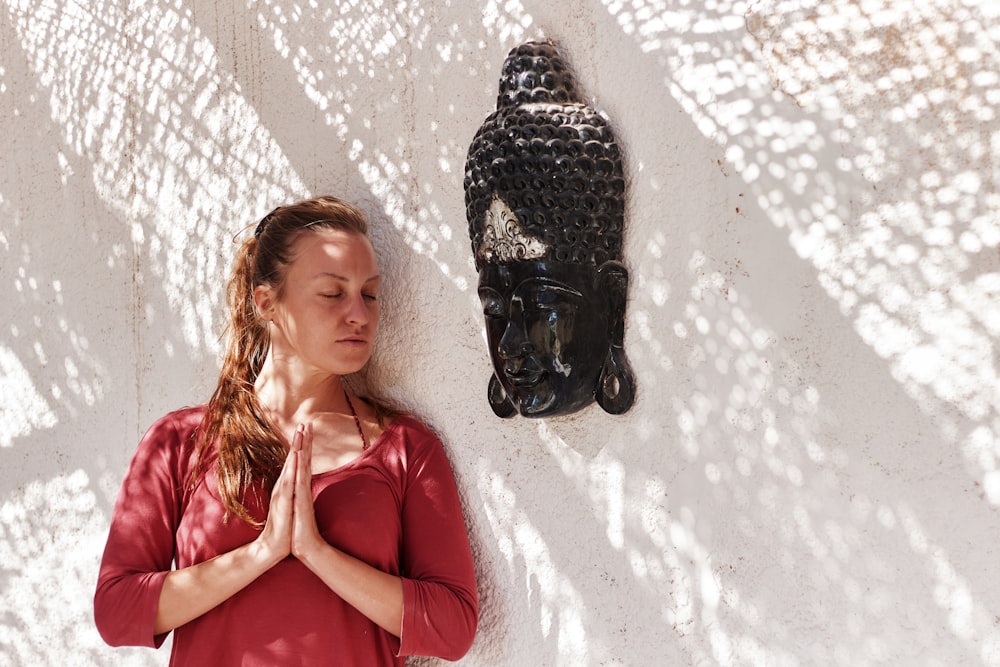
<point x="524" y="379"/>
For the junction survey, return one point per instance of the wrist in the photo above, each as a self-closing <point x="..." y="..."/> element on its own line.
<point x="310" y="551"/>
<point x="263" y="554"/>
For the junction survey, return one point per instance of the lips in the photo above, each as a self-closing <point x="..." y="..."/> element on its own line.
<point x="353" y="340"/>
<point x="522" y="379"/>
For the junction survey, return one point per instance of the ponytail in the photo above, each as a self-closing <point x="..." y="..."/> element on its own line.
<point x="248" y="449"/>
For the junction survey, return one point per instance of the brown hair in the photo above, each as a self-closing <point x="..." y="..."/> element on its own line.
<point x="247" y="449"/>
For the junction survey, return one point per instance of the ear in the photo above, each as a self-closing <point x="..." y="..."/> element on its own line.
<point x="612" y="281"/>
<point x="615" y="389"/>
<point x="499" y="401"/>
<point x="264" y="300"/>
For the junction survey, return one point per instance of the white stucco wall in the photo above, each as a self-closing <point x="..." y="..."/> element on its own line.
<point x="811" y="473"/>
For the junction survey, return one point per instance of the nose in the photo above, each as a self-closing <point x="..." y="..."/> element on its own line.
<point x="514" y="343"/>
<point x="357" y="310"/>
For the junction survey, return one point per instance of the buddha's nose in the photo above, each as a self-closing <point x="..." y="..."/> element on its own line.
<point x="514" y="343"/>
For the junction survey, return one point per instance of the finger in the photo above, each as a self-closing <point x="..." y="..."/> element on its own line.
<point x="303" y="481"/>
<point x="286" y="478"/>
<point x="305" y="451"/>
<point x="307" y="439"/>
<point x="294" y="460"/>
<point x="304" y="531"/>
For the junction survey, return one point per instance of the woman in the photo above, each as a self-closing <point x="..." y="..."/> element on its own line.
<point x="307" y="525"/>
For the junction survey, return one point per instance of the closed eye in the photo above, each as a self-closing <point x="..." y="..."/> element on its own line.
<point x="492" y="305"/>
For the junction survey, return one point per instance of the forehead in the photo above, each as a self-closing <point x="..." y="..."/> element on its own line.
<point x="334" y="251"/>
<point x="506" y="277"/>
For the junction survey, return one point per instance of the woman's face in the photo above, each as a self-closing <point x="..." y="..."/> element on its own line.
<point x="325" y="315"/>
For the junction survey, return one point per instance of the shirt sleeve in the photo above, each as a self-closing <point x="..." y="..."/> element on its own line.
<point x="140" y="546"/>
<point x="440" y="602"/>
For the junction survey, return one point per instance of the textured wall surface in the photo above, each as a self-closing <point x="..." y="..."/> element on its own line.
<point x="811" y="472"/>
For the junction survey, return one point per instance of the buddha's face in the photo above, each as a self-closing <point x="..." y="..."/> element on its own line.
<point x="547" y="325"/>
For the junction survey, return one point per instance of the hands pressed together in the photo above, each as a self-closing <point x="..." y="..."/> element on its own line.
<point x="290" y="529"/>
<point x="291" y="521"/>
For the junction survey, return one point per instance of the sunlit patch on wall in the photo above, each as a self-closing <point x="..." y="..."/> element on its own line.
<point x="43" y="530"/>
<point x="507" y="20"/>
<point x="551" y="594"/>
<point x="145" y="102"/>
<point x="377" y="45"/>
<point x="23" y="409"/>
<point x="867" y="132"/>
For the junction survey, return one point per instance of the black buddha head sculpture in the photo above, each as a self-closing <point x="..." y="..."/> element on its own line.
<point x="545" y="202"/>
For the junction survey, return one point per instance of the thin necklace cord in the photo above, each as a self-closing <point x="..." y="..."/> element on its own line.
<point x="357" y="422"/>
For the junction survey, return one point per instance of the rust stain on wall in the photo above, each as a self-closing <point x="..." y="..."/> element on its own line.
<point x="845" y="48"/>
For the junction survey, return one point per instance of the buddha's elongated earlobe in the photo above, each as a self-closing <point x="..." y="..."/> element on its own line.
<point x="615" y="390"/>
<point x="499" y="401"/>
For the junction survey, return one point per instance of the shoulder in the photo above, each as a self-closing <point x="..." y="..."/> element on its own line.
<point x="410" y="432"/>
<point x="411" y="447"/>
<point x="185" y="418"/>
<point x="164" y="457"/>
<point x="184" y="422"/>
<point x="412" y="426"/>
<point x="174" y="433"/>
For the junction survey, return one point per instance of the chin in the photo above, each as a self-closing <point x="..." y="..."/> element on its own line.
<point x="345" y="367"/>
<point x="535" y="403"/>
<point x="552" y="403"/>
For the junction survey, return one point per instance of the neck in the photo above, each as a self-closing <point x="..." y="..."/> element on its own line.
<point x="294" y="394"/>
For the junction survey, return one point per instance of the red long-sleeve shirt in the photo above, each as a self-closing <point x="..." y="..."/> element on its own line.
<point x="395" y="507"/>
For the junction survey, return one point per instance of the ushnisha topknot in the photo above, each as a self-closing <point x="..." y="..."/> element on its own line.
<point x="543" y="176"/>
<point x="535" y="73"/>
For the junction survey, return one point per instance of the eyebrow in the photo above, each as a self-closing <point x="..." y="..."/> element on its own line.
<point x="538" y="283"/>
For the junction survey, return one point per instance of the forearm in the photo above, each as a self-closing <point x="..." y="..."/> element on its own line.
<point x="190" y="592"/>
<point x="376" y="594"/>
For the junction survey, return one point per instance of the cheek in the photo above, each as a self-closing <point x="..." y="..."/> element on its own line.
<point x="495" y="326"/>
<point x="580" y="344"/>
<point x="553" y="332"/>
